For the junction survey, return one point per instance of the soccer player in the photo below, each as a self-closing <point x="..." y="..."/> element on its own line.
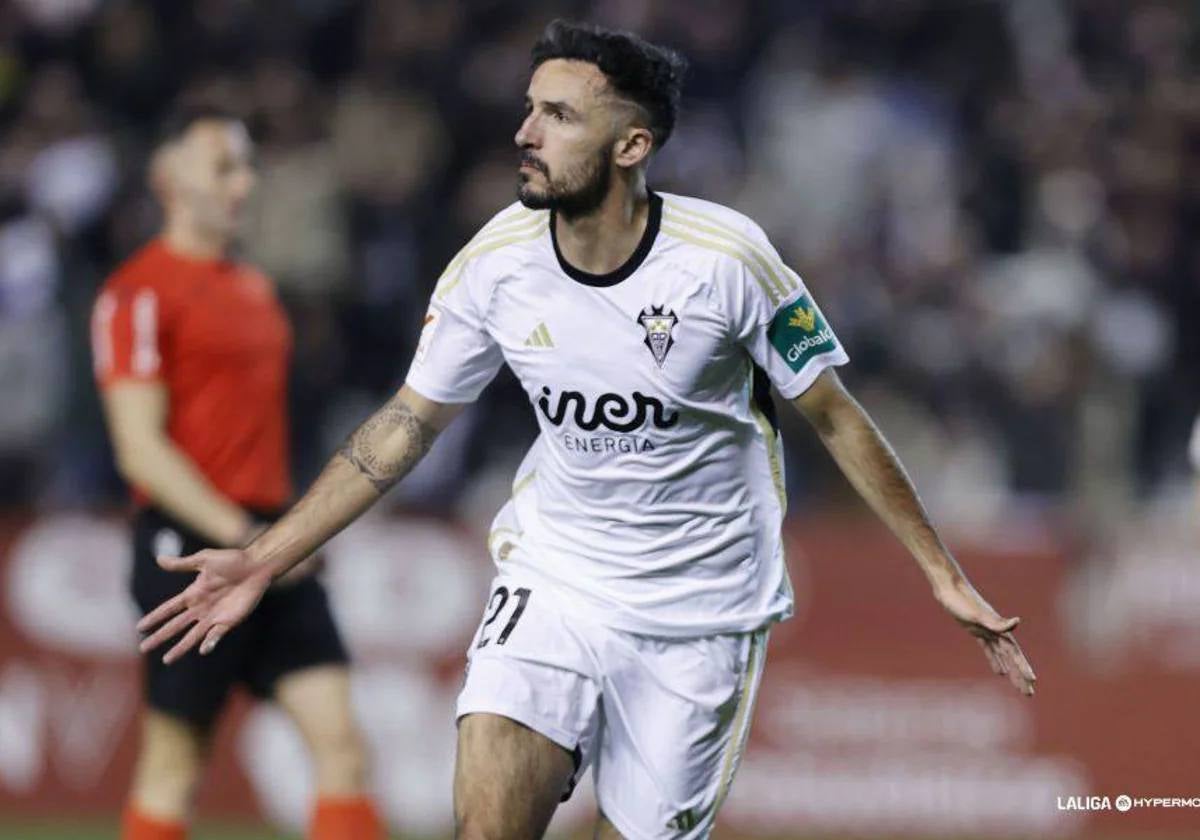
<point x="191" y="354"/>
<point x="639" y="560"/>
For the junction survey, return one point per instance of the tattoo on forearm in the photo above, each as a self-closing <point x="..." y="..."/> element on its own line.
<point x="365" y="448"/>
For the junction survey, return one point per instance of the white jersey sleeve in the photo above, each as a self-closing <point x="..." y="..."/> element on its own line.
<point x="778" y="322"/>
<point x="456" y="356"/>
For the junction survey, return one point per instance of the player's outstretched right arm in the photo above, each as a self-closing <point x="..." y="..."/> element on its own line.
<point x="372" y="460"/>
<point x="230" y="582"/>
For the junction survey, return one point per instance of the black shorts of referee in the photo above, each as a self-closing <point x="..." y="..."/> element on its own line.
<point x="292" y="628"/>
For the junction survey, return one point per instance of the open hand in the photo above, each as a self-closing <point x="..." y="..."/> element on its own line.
<point x="227" y="588"/>
<point x="993" y="633"/>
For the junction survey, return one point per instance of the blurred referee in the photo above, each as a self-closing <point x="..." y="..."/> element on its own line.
<point x="191" y="354"/>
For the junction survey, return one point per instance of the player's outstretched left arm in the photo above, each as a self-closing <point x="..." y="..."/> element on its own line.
<point x="869" y="463"/>
<point x="230" y="582"/>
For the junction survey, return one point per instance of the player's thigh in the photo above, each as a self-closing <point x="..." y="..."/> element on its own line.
<point x="528" y="711"/>
<point x="677" y="715"/>
<point x="508" y="779"/>
<point x="318" y="700"/>
<point x="171" y="755"/>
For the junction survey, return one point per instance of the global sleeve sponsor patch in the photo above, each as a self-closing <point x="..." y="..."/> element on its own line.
<point x="799" y="332"/>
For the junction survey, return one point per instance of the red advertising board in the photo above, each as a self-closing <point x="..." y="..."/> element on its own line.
<point x="878" y="715"/>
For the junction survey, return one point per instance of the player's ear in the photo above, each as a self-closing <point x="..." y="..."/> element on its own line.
<point x="633" y="146"/>
<point x="159" y="173"/>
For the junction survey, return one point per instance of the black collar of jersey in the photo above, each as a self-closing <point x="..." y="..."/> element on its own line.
<point x="631" y="265"/>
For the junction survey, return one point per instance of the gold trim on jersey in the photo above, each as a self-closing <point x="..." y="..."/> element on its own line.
<point x="516" y="535"/>
<point x="772" y="272"/>
<point x="485" y="245"/>
<point x="763" y="252"/>
<point x="775" y="462"/>
<point x="518" y="485"/>
<point x="741" y="719"/>
<point x="523" y="482"/>
<point x="519" y="220"/>
<point x="724" y="248"/>
<point x="499" y="224"/>
<point x="771" y="439"/>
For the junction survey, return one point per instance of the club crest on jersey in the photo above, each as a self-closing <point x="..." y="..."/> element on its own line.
<point x="658" y="326"/>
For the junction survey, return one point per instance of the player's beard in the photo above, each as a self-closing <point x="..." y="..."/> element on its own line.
<point x="577" y="193"/>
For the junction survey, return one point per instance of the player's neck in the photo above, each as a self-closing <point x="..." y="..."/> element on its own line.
<point x="186" y="241"/>
<point x="603" y="240"/>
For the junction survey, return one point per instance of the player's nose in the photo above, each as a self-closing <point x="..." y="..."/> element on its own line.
<point x="526" y="135"/>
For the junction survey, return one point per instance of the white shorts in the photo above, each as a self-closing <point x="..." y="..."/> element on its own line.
<point x="662" y="722"/>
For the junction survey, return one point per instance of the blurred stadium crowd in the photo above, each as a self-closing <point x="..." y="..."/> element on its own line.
<point x="995" y="203"/>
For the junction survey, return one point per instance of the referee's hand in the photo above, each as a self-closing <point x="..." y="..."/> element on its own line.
<point x="229" y="585"/>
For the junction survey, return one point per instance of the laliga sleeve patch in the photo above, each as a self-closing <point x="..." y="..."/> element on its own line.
<point x="432" y="319"/>
<point x="799" y="332"/>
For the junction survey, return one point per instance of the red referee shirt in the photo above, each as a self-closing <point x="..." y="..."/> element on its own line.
<point x="213" y="332"/>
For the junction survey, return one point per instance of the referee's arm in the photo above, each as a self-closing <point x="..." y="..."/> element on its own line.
<point x="147" y="458"/>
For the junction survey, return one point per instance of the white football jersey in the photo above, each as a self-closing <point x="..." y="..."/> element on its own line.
<point x="653" y="497"/>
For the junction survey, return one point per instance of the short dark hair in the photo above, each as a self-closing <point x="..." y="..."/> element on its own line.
<point x="184" y="115"/>
<point x="649" y="75"/>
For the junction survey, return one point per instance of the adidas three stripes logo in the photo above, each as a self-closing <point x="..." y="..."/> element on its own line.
<point x="540" y="337"/>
